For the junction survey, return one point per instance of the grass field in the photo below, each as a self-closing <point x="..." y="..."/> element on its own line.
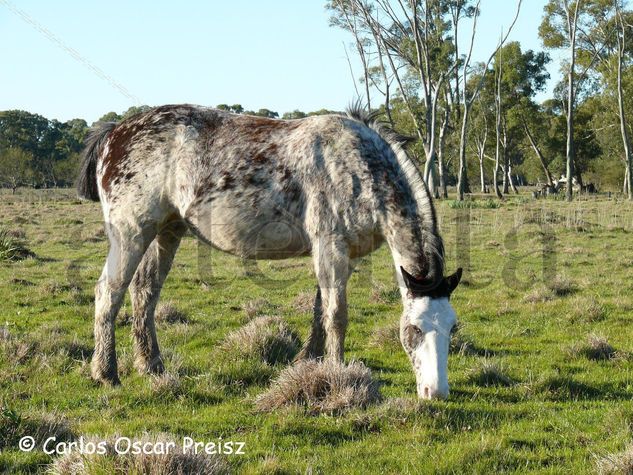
<point x="540" y="379"/>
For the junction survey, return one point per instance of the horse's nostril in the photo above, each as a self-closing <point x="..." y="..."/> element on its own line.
<point x="426" y="393"/>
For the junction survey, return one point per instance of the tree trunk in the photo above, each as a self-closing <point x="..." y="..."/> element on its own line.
<point x="569" y="156"/>
<point x="462" y="177"/>
<point x="537" y="150"/>
<point x="482" y="176"/>
<point x="512" y="185"/>
<point x="441" y="168"/>
<point x="626" y="141"/>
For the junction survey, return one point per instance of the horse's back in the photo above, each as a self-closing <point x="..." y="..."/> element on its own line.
<point x="249" y="185"/>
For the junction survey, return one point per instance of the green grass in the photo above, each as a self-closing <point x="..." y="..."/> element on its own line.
<point x="526" y="393"/>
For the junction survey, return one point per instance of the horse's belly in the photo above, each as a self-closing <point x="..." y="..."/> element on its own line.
<point x="252" y="233"/>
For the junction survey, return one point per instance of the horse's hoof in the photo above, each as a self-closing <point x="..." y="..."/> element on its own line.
<point x="108" y="378"/>
<point x="155" y="366"/>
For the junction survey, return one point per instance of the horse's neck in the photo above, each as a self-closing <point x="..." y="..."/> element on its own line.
<point x="405" y="237"/>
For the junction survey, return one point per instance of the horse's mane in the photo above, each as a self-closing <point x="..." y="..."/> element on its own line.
<point x="433" y="245"/>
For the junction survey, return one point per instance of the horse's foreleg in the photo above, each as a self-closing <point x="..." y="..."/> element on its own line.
<point x="332" y="265"/>
<point x="145" y="291"/>
<point x="314" y="346"/>
<point x="123" y="259"/>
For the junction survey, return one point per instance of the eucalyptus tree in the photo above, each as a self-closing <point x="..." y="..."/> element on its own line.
<point x="410" y="43"/>
<point x="468" y="98"/>
<point x="608" y="42"/>
<point x="518" y="77"/>
<point x="565" y="25"/>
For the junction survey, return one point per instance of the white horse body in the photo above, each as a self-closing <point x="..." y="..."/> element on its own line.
<point x="331" y="186"/>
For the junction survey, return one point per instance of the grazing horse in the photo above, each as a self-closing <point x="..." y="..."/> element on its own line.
<point x="331" y="186"/>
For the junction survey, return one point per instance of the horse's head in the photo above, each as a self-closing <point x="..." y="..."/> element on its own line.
<point x="425" y="331"/>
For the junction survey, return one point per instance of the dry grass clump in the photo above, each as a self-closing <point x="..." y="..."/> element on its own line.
<point x="14" y="426"/>
<point x="561" y="286"/>
<point x="385" y="295"/>
<point x="489" y="373"/>
<point x="304" y="302"/>
<point x="174" y="461"/>
<point x="256" y="307"/>
<point x="587" y="309"/>
<point x="321" y="386"/>
<point x="598" y="348"/>
<point x="166" y="384"/>
<point x="269" y="339"/>
<point x="14" y="349"/>
<point x="167" y="312"/>
<point x="13" y="248"/>
<point x="620" y="463"/>
<point x="539" y="294"/>
<point x="386" y="335"/>
<point x="461" y="343"/>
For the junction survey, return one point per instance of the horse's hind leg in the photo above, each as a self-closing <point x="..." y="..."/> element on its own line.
<point x="145" y="291"/>
<point x="314" y="346"/>
<point x="127" y="247"/>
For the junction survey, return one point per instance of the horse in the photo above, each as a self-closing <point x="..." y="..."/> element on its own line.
<point x="333" y="186"/>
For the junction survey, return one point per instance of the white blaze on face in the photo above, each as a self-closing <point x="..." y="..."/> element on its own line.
<point x="427" y="344"/>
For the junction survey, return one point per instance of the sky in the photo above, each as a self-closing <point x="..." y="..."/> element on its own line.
<point x="69" y="59"/>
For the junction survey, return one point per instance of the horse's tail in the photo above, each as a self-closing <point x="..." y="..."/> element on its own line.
<point x="87" y="180"/>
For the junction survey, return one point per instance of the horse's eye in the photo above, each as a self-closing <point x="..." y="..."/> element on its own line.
<point x="413" y="336"/>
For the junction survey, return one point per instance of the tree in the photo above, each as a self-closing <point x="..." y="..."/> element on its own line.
<point x="14" y="167"/>
<point x="295" y="114"/>
<point x="468" y="98"/>
<point x="563" y="23"/>
<point x="414" y="39"/>
<point x="109" y="117"/>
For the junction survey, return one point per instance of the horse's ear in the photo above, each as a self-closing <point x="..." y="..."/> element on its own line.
<point x="453" y="280"/>
<point x="409" y="280"/>
<point x="416" y="286"/>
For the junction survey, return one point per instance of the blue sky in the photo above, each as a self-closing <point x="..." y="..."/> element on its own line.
<point x="69" y="59"/>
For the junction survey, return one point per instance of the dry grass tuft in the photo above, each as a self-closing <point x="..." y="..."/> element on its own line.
<point x="539" y="294"/>
<point x="386" y="335"/>
<point x="174" y="461"/>
<point x="598" y="348"/>
<point x="256" y="307"/>
<point x="166" y="384"/>
<point x="461" y="343"/>
<point x="167" y="312"/>
<point x="561" y="286"/>
<point x="620" y="463"/>
<point x="268" y="339"/>
<point x="385" y="295"/>
<point x="13" y="248"/>
<point x="13" y="427"/>
<point x="304" y="302"/>
<point x="322" y="387"/>
<point x="489" y="373"/>
<point x="587" y="309"/>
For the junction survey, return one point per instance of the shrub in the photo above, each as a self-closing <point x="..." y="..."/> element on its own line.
<point x="321" y="386"/>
